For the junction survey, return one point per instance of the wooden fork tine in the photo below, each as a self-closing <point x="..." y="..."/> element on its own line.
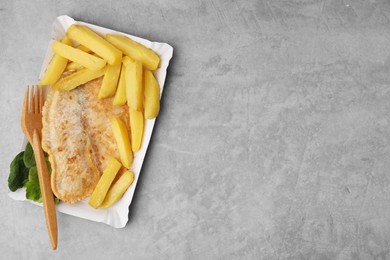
<point x="32" y="100"/>
<point x="25" y="102"/>
<point x="40" y="98"/>
<point x="36" y="100"/>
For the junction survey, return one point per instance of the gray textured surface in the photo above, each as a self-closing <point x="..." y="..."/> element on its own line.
<point x="273" y="140"/>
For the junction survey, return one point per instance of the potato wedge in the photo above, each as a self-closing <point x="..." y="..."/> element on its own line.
<point x="120" y="95"/>
<point x="135" y="50"/>
<point x="78" y="78"/>
<point x="83" y="48"/>
<point x="117" y="189"/>
<point x="100" y="191"/>
<point x="110" y="81"/>
<point x="66" y="40"/>
<point x="137" y="129"/>
<point x="73" y="66"/>
<point x="152" y="95"/>
<point x="134" y="86"/>
<point x="95" y="43"/>
<point x="87" y="60"/>
<point x="126" y="60"/>
<point x="123" y="141"/>
<point x="56" y="67"/>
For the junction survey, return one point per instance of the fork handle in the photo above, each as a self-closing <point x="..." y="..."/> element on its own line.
<point x="47" y="193"/>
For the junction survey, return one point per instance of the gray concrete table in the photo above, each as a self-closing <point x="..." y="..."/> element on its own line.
<point x="273" y="140"/>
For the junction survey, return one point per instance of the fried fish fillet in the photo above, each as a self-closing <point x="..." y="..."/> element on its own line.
<point x="77" y="136"/>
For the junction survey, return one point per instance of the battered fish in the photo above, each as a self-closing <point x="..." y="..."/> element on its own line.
<point x="77" y="136"/>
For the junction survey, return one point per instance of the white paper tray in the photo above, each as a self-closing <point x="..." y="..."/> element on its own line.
<point x="117" y="215"/>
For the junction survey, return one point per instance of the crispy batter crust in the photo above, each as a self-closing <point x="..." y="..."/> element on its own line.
<point x="77" y="136"/>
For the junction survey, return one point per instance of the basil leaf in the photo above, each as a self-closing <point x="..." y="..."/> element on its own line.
<point x="29" y="159"/>
<point x="33" y="174"/>
<point x="17" y="172"/>
<point x="33" y="191"/>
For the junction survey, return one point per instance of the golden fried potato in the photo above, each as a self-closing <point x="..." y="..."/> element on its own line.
<point x="110" y="81"/>
<point x="117" y="189"/>
<point x="134" y="86"/>
<point x="78" y="78"/>
<point x="137" y="129"/>
<point x="100" y="191"/>
<point x="126" y="60"/>
<point x="152" y="95"/>
<point x="83" y="48"/>
<point x="120" y="95"/>
<point x="56" y="67"/>
<point x="73" y="66"/>
<point x="135" y="50"/>
<point x="123" y="141"/>
<point x="95" y="43"/>
<point x="87" y="60"/>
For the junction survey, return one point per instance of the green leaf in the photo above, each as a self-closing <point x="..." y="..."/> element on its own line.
<point x="33" y="174"/>
<point x="25" y="182"/>
<point x="29" y="159"/>
<point x="33" y="191"/>
<point x="17" y="172"/>
<point x="24" y="171"/>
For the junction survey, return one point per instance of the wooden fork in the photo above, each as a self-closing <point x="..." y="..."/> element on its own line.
<point x="32" y="127"/>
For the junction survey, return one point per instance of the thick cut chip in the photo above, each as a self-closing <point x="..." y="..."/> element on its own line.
<point x="83" y="48"/>
<point x="118" y="189"/>
<point x="95" y="43"/>
<point x="120" y="95"/>
<point x="78" y="78"/>
<point x="134" y="86"/>
<point x="110" y="81"/>
<point x="73" y="66"/>
<point x="104" y="183"/>
<point x="87" y="60"/>
<point x="135" y="50"/>
<point x="123" y="141"/>
<point x="127" y="60"/>
<point x="137" y="129"/>
<point x="152" y="95"/>
<point x="56" y="67"/>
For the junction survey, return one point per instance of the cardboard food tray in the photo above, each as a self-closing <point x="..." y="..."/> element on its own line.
<point x="117" y="215"/>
